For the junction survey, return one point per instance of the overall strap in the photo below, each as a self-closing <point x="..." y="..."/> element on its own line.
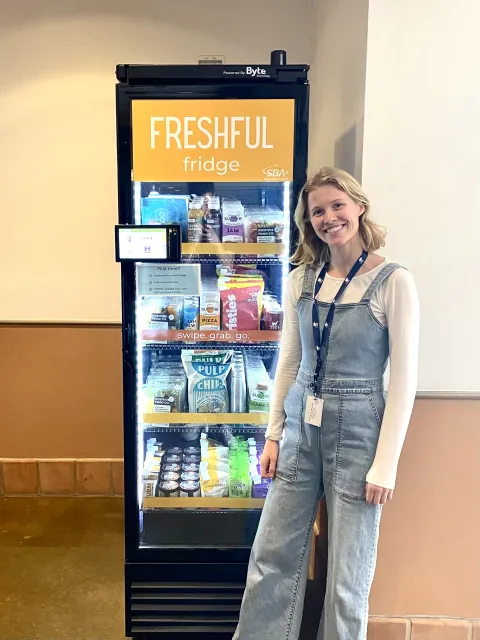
<point x="385" y="273"/>
<point x="308" y="286"/>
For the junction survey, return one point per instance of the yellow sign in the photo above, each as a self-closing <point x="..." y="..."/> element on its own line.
<point x="212" y="140"/>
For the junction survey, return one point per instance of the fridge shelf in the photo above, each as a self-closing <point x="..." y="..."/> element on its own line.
<point x="206" y="418"/>
<point x="203" y="503"/>
<point x="172" y="346"/>
<point x="230" y="428"/>
<point x="233" y="259"/>
<point x="233" y="248"/>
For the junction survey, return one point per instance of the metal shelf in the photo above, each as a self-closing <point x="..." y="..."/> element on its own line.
<point x="267" y="253"/>
<point x="232" y="428"/>
<point x="256" y="418"/>
<point x="174" y="346"/>
<point x="234" y="259"/>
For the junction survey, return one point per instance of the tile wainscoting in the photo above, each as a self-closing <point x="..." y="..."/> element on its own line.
<point x="423" y="628"/>
<point x="61" y="476"/>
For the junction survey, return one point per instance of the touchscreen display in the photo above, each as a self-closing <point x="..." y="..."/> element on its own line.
<point x="142" y="244"/>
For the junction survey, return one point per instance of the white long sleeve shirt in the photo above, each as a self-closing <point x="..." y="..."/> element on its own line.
<point x="395" y="305"/>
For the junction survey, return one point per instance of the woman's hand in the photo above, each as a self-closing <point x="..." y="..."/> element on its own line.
<point x="268" y="459"/>
<point x="378" y="495"/>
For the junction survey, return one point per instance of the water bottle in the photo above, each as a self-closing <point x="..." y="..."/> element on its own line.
<point x="238" y="392"/>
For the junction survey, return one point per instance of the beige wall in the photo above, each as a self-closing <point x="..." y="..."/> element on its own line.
<point x="339" y="48"/>
<point x="58" y="199"/>
<point x="420" y="161"/>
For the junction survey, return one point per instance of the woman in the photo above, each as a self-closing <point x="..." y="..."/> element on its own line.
<point x="330" y="373"/>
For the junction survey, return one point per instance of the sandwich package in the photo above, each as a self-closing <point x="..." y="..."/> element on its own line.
<point x="264" y="224"/>
<point x="162" y="312"/>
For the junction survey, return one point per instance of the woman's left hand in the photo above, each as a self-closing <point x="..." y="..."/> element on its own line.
<point x="378" y="495"/>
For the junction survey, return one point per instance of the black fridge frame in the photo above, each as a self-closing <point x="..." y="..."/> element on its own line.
<point x="219" y="560"/>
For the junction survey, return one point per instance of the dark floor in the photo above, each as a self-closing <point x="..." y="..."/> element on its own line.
<point x="61" y="569"/>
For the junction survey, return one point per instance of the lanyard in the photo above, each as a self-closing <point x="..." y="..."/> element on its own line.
<point x="321" y="339"/>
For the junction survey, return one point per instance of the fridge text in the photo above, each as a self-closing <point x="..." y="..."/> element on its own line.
<point x="191" y="132"/>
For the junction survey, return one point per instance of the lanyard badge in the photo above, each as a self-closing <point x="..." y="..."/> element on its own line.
<point x="321" y="338"/>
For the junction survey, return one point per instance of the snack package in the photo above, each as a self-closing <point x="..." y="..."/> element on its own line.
<point x="209" y="305"/>
<point x="150" y="488"/>
<point x="233" y="218"/>
<point x="241" y="300"/>
<point x="207" y="374"/>
<point x="258" y="383"/>
<point x="212" y="448"/>
<point x="214" y="484"/>
<point x="240" y="485"/>
<point x="214" y="465"/>
<point x="165" y="390"/>
<point x="191" y="312"/>
<point x="216" y="356"/>
<point x="264" y="225"/>
<point x="152" y="467"/>
<point x="260" y="486"/>
<point x="162" y="312"/>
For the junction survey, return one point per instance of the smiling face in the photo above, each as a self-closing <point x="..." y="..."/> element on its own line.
<point x="333" y="214"/>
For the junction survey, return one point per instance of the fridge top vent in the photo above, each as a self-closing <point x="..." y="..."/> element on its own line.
<point x="151" y="75"/>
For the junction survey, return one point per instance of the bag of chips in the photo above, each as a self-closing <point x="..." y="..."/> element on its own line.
<point x="241" y="300"/>
<point x="214" y="484"/>
<point x="207" y="374"/>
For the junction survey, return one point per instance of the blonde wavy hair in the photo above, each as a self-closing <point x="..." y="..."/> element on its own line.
<point x="311" y="249"/>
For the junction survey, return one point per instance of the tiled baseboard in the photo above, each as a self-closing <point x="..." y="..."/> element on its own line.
<point x="61" y="476"/>
<point x="423" y="628"/>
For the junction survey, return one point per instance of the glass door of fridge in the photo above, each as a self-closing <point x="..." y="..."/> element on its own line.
<point x="206" y="360"/>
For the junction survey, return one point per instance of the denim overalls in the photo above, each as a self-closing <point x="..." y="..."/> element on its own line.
<point x="333" y="461"/>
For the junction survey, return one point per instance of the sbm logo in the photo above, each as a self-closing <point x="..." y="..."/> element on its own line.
<point x="275" y="173"/>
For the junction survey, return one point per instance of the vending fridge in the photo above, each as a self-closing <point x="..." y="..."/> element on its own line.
<point x="214" y="157"/>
